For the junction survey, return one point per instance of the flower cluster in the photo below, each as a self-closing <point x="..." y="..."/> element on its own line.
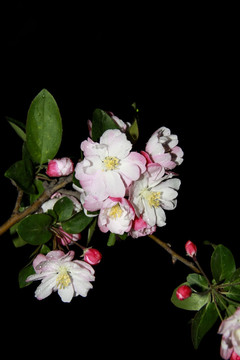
<point x="130" y="190"/>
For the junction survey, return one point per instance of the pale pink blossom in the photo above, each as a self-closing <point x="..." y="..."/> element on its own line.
<point x="153" y="193"/>
<point x="162" y="148"/>
<point x="141" y="228"/>
<point x="60" y="167"/>
<point x="59" y="272"/>
<point x="116" y="215"/>
<point x="109" y="166"/>
<point x="230" y="331"/>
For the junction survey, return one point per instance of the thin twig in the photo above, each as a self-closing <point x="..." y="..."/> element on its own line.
<point x="174" y="254"/>
<point x="52" y="188"/>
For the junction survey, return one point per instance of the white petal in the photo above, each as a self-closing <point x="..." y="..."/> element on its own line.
<point x="66" y="294"/>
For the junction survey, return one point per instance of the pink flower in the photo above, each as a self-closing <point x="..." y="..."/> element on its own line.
<point x="162" y="148"/>
<point x="92" y="256"/>
<point x="152" y="194"/>
<point x="109" y="166"/>
<point x="60" y="167"/>
<point x="183" y="292"/>
<point x="116" y="215"/>
<point x="190" y="248"/>
<point x="230" y="331"/>
<point x="59" y="272"/>
<point x="141" y="228"/>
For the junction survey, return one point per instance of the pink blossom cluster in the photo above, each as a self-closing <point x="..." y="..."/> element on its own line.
<point x="129" y="189"/>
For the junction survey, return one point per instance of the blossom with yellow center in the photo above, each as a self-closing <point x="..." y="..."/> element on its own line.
<point x="110" y="163"/>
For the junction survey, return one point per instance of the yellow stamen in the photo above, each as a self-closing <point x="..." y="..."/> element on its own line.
<point x="110" y="163"/>
<point x="63" y="279"/>
<point x="153" y="197"/>
<point x="115" y="211"/>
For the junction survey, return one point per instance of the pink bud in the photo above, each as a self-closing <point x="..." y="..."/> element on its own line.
<point x="190" y="248"/>
<point x="92" y="256"/>
<point x="60" y="167"/>
<point x="234" y="356"/>
<point x="183" y="292"/>
<point x="65" y="239"/>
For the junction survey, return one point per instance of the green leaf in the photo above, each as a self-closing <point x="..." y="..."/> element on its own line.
<point x="91" y="230"/>
<point x="77" y="223"/>
<point x="101" y="122"/>
<point x="111" y="239"/>
<point x="222" y="263"/>
<point x="202" y="323"/>
<point x="194" y="303"/>
<point x="34" y="229"/>
<point x="39" y="190"/>
<point x="133" y="132"/>
<point x="21" y="176"/>
<point x="197" y="280"/>
<point x="233" y="291"/>
<point x="18" y="127"/>
<point x="23" y="274"/>
<point x="63" y="208"/>
<point x="43" y="128"/>
<point x="18" y="242"/>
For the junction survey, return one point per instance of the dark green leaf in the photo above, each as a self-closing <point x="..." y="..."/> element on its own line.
<point x="91" y="230"/>
<point x="194" y="303"/>
<point x="18" y="127"/>
<point x="34" y="229"/>
<point x="202" y="323"/>
<point x="23" y="274"/>
<point x="18" y="242"/>
<point x="44" y="128"/>
<point x="63" y="208"/>
<point x="222" y="263"/>
<point x="197" y="280"/>
<point x="233" y="291"/>
<point x="39" y="190"/>
<point x="77" y="223"/>
<point x="101" y="122"/>
<point x="21" y="176"/>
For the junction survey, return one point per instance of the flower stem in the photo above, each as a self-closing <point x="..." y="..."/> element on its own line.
<point x="175" y="255"/>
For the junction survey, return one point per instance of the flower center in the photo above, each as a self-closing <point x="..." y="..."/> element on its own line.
<point x="110" y="163"/>
<point x="115" y="211"/>
<point x="63" y="279"/>
<point x="153" y="197"/>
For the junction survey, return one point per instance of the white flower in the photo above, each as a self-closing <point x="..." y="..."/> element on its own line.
<point x="59" y="272"/>
<point x="152" y="193"/>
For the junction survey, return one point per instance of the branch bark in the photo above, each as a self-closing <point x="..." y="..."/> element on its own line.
<point x="175" y="255"/>
<point x="52" y="188"/>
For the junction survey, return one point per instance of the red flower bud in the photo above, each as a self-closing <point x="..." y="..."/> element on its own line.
<point x="92" y="256"/>
<point x="234" y="356"/>
<point x="60" y="167"/>
<point x="183" y="292"/>
<point x="190" y="248"/>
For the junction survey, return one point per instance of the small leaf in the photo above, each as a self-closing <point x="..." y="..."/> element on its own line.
<point x="63" y="208"/>
<point x="222" y="263"/>
<point x="34" y="229"/>
<point x="91" y="230"/>
<point x="233" y="291"/>
<point x="133" y="132"/>
<point x="194" y="303"/>
<point x="43" y="128"/>
<point x="101" y="122"/>
<point x="23" y="274"/>
<point x="18" y="127"/>
<point x="202" y="323"/>
<point x="18" y="242"/>
<point x="111" y="239"/>
<point x="77" y="223"/>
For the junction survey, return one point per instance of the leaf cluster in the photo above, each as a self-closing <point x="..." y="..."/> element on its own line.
<point x="213" y="299"/>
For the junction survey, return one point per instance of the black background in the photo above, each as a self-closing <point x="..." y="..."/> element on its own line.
<point x="180" y="66"/>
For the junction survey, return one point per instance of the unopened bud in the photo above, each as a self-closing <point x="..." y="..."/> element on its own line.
<point x="190" y="248"/>
<point x="183" y="292"/>
<point x="92" y="256"/>
<point x="60" y="167"/>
